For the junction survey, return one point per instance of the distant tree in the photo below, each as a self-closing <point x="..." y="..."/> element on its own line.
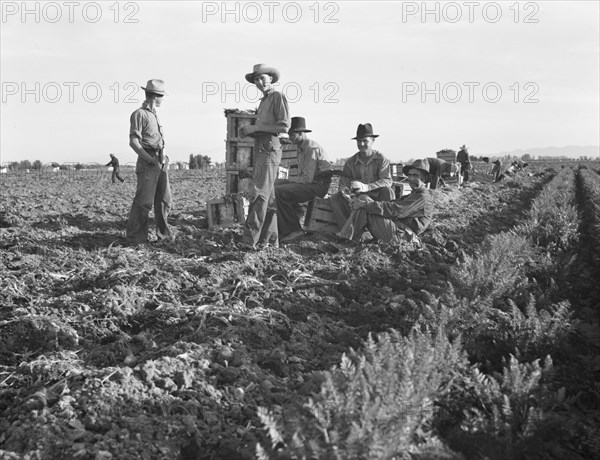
<point x="55" y="164"/>
<point x="78" y="166"/>
<point x="527" y="157"/>
<point x="203" y="160"/>
<point x="193" y="164"/>
<point x="13" y="166"/>
<point x="37" y="165"/>
<point x="25" y="164"/>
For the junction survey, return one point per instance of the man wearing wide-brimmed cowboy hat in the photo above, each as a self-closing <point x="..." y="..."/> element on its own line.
<point x="366" y="172"/>
<point x="273" y="122"/>
<point x="394" y="221"/>
<point x="462" y="157"/>
<point x="308" y="184"/>
<point x="153" y="188"/>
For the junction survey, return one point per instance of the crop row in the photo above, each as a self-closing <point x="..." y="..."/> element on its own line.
<point x="474" y="374"/>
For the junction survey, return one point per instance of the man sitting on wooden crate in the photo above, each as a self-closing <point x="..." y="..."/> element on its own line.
<point x="365" y="173"/>
<point x="397" y="221"/>
<point x="309" y="183"/>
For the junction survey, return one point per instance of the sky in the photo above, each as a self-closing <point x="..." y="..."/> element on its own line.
<point x="496" y="76"/>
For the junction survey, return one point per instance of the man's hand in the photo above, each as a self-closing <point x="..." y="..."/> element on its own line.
<point x="247" y="130"/>
<point x="361" y="201"/>
<point x="153" y="160"/>
<point x="358" y="187"/>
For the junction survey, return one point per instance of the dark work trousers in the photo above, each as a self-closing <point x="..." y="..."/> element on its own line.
<point x="288" y="197"/>
<point x="153" y="188"/>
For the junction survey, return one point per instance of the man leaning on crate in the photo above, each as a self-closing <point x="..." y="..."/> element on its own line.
<point x="396" y="221"/>
<point x="308" y="184"/>
<point x="366" y="172"/>
<point x="272" y="122"/>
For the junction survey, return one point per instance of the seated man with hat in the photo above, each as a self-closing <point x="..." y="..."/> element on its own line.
<point x="366" y="172"/>
<point x="308" y="184"/>
<point x="273" y="122"/>
<point x="396" y="221"/>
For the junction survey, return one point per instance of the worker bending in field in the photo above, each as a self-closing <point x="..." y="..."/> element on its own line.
<point x="367" y="172"/>
<point x="273" y="121"/>
<point x="396" y="221"/>
<point x="308" y="184"/>
<point x="439" y="168"/>
<point x="116" y="174"/>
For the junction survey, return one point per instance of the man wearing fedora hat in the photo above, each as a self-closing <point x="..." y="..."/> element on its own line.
<point x="366" y="172"/>
<point x="395" y="221"/>
<point x="153" y="188"/>
<point x="462" y="157"/>
<point x="273" y="122"/>
<point x="308" y="184"/>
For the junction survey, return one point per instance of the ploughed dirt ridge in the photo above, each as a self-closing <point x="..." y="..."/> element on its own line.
<point x="167" y="350"/>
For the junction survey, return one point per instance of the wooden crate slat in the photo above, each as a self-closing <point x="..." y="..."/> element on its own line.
<point x="319" y="217"/>
<point x="236" y="120"/>
<point x="239" y="154"/>
<point x="227" y="211"/>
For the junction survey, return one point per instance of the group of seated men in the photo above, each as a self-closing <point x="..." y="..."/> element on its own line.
<point x="365" y="199"/>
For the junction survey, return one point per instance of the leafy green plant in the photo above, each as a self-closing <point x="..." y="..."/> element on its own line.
<point x="376" y="404"/>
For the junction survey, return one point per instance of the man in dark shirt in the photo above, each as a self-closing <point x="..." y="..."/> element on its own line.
<point x="116" y="174"/>
<point x="273" y="121"/>
<point x="463" y="158"/>
<point x="394" y="221"/>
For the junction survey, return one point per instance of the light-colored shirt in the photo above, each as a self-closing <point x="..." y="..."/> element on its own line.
<point x="375" y="172"/>
<point x="311" y="161"/>
<point x="147" y="128"/>
<point x="414" y="210"/>
<point x="273" y="114"/>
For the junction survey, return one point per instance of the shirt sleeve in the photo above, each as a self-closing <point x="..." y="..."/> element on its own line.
<point x="384" y="174"/>
<point x="137" y="123"/>
<point x="348" y="171"/>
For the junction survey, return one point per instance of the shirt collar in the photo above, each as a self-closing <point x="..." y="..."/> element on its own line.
<point x="267" y="93"/>
<point x="146" y="106"/>
<point x="369" y="160"/>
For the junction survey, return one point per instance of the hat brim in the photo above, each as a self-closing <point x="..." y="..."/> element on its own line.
<point x="158" y="93"/>
<point x="268" y="70"/>
<point x="300" y="130"/>
<point x="406" y="169"/>
<point x="363" y="137"/>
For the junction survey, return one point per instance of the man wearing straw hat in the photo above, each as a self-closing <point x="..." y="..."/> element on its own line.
<point x="396" y="221"/>
<point x="308" y="184"/>
<point x="273" y="122"/>
<point x="153" y="188"/>
<point x="366" y="172"/>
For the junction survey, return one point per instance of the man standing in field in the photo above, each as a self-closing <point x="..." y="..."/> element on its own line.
<point x="366" y="172"/>
<point x="439" y="168"/>
<point x="308" y="184"/>
<point x="397" y="221"/>
<point x="114" y="162"/>
<point x="463" y="158"/>
<point x="146" y="140"/>
<point x="273" y="121"/>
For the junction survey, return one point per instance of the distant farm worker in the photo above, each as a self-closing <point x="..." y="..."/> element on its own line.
<point x="116" y="174"/>
<point x="462" y="157"/>
<point x="496" y="171"/>
<point x="439" y="168"/>
<point x="367" y="172"/>
<point x="396" y="221"/>
<point x="272" y="123"/>
<point x="308" y="184"/>
<point x="153" y="188"/>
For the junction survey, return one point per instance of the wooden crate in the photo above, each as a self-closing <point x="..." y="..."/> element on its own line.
<point x="396" y="170"/>
<point x="401" y="188"/>
<point x="239" y="154"/>
<point x="235" y="184"/>
<point x="446" y="155"/>
<point x="227" y="211"/>
<point x="235" y="120"/>
<point x="319" y="217"/>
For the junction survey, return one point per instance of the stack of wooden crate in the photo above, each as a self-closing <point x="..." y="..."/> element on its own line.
<point x="239" y="151"/>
